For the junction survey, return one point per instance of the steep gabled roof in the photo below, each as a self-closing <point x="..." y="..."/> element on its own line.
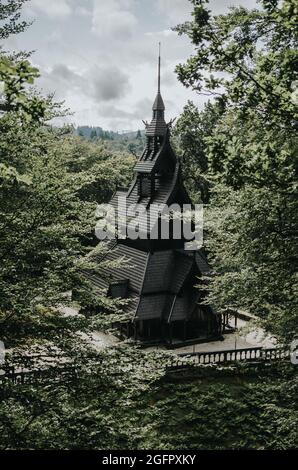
<point x="133" y="268"/>
<point x="99" y="283"/>
<point x="183" y="266"/>
<point x="132" y="305"/>
<point x="158" y="273"/>
<point x="151" y="306"/>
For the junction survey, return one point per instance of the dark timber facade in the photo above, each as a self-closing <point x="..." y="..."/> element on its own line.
<point x="160" y="276"/>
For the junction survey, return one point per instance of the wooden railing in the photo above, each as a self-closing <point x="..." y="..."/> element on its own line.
<point x="30" y="372"/>
<point x="257" y="354"/>
<point x="21" y="375"/>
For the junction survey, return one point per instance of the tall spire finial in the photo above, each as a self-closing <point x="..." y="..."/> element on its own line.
<point x="158" y="88"/>
<point x="158" y="126"/>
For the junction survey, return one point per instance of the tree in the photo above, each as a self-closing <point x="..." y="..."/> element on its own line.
<point x="104" y="168"/>
<point x="256" y="51"/>
<point x="114" y="398"/>
<point x="48" y="178"/>
<point x="15" y="76"/>
<point x="50" y="182"/>
<point x="244" y="60"/>
<point x="10" y="13"/>
<point x="93" y="134"/>
<point x="190" y="133"/>
<point x="132" y="148"/>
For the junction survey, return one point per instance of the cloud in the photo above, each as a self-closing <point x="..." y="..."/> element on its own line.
<point x="110" y="83"/>
<point x="99" y="84"/>
<point x="143" y="108"/>
<point x="61" y="80"/>
<point x="177" y="11"/>
<point x="112" y="111"/>
<point x="82" y="11"/>
<point x="164" y="32"/>
<point x="113" y="18"/>
<point x="53" y="8"/>
<point x="168" y="77"/>
<point x="129" y="118"/>
<point x="63" y="72"/>
<point x="102" y="58"/>
<point x="54" y="37"/>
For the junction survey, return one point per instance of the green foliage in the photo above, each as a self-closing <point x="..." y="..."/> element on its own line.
<point x="104" y="168"/>
<point x="252" y="240"/>
<point x="42" y="223"/>
<point x="190" y="133"/>
<point x="14" y="79"/>
<point x="240" y="156"/>
<point x="252" y="54"/>
<point x="246" y="138"/>
<point x="50" y="183"/>
<point x="249" y="413"/>
<point x="91" y="409"/>
<point x="10" y="12"/>
<point x="111" y="408"/>
<point x="128" y="142"/>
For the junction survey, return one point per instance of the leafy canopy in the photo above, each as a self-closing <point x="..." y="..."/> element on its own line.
<point x="245" y="145"/>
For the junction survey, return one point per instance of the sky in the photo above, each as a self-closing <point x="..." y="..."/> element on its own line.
<point x="100" y="56"/>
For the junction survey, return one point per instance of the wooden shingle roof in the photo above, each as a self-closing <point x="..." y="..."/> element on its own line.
<point x="151" y="306"/>
<point x="158" y="273"/>
<point x="132" y="267"/>
<point x="183" y="266"/>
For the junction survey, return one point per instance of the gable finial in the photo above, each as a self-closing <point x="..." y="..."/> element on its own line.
<point x="159" y="47"/>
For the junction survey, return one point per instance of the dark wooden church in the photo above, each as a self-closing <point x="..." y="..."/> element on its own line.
<point x="161" y="279"/>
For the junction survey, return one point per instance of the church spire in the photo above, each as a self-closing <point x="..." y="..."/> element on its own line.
<point x="158" y="126"/>
<point x="158" y="86"/>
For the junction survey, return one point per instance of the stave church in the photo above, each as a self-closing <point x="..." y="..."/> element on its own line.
<point x="164" y="283"/>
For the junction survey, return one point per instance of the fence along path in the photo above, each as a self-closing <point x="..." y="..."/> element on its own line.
<point x="255" y="354"/>
<point x="29" y="373"/>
